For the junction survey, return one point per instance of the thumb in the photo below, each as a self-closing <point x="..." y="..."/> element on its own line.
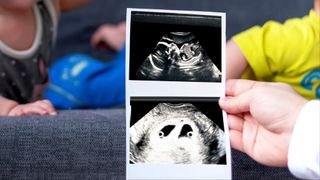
<point x="95" y="38"/>
<point x="237" y="104"/>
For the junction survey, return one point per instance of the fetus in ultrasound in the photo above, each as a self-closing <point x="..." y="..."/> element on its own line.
<point x="176" y="134"/>
<point x="178" y="56"/>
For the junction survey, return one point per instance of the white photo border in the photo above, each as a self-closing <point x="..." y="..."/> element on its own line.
<point x="176" y="89"/>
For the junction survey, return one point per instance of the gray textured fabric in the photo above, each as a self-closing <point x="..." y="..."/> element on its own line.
<point x="71" y="145"/>
<point x="243" y="167"/>
<point x="84" y="144"/>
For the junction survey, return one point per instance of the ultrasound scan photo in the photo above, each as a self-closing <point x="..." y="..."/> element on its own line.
<point x="179" y="56"/>
<point x="176" y="133"/>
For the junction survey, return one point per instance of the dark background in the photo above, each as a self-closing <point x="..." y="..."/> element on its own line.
<point x="76" y="27"/>
<point x="148" y="28"/>
<point x="140" y="106"/>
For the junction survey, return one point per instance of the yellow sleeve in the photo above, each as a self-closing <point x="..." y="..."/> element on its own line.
<point x="271" y="49"/>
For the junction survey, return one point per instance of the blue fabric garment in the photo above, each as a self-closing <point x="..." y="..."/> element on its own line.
<point x="80" y="81"/>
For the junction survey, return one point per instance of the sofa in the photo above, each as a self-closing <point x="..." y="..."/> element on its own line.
<point x="91" y="143"/>
<point x="84" y="144"/>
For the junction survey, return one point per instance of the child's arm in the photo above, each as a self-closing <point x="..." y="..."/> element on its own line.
<point x="236" y="61"/>
<point x="6" y="106"/>
<point x="12" y="108"/>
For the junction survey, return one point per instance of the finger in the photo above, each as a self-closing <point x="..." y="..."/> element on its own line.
<point x="20" y="112"/>
<point x="236" y="87"/>
<point x="236" y="140"/>
<point x="122" y="26"/>
<point x="235" y="122"/>
<point x="34" y="109"/>
<point x="47" y="105"/>
<point x="98" y="41"/>
<point x="237" y="104"/>
<point x="97" y="37"/>
<point x="12" y="113"/>
<point x="16" y="112"/>
<point x="249" y="133"/>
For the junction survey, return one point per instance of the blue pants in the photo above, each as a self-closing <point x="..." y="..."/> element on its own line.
<point x="79" y="81"/>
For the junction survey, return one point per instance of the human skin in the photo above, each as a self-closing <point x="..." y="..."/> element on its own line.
<point x="109" y="37"/>
<point x="261" y="118"/>
<point x="17" y="30"/>
<point x="236" y="61"/>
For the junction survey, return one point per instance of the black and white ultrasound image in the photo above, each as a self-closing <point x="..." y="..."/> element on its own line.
<point x="175" y="48"/>
<point x="178" y="56"/>
<point x="176" y="131"/>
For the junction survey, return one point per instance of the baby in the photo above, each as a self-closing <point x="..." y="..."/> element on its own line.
<point x="27" y="33"/>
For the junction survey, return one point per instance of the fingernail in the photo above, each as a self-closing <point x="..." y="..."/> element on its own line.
<point x="53" y="113"/>
<point x="224" y="99"/>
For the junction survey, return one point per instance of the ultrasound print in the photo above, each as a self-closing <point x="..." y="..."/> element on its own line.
<point x="178" y="56"/>
<point x="176" y="134"/>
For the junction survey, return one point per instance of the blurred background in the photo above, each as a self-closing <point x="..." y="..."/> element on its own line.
<point x="76" y="27"/>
